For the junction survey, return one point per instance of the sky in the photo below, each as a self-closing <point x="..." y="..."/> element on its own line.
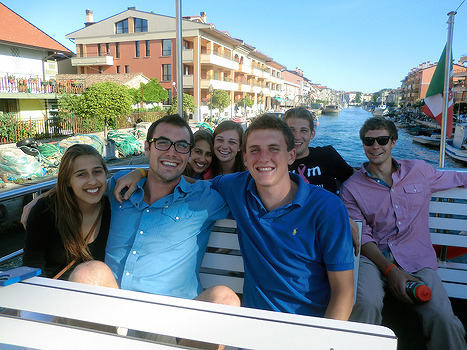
<point x="350" y="45"/>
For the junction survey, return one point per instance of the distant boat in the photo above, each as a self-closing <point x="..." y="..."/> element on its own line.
<point x="331" y="109"/>
<point x="380" y="110"/>
<point x="457" y="147"/>
<point x="433" y="140"/>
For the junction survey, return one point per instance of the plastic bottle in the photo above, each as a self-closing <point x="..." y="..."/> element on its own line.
<point x="418" y="292"/>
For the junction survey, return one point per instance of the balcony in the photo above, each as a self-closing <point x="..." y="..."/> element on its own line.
<point x="188" y="82"/>
<point x="187" y="55"/>
<point x="218" y="83"/>
<point x="92" y="61"/>
<point x="31" y="87"/>
<point x="245" y="68"/>
<point x="244" y="86"/>
<point x="257" y="72"/>
<point x="218" y="59"/>
<point x="266" y="75"/>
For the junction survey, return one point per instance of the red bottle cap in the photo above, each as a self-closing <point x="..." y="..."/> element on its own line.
<point x="422" y="292"/>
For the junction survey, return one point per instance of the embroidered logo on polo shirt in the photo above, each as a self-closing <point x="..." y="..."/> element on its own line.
<point x="294" y="231"/>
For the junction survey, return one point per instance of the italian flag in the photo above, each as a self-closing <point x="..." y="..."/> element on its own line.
<point x="434" y="96"/>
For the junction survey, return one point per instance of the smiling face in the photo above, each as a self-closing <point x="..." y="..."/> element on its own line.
<point x="201" y="156"/>
<point x="226" y="146"/>
<point x="87" y="180"/>
<point x="267" y="158"/>
<point x="167" y="166"/>
<point x="302" y="133"/>
<point x="377" y="154"/>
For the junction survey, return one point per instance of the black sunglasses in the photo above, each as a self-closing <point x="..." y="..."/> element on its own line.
<point x="164" y="144"/>
<point x="382" y="140"/>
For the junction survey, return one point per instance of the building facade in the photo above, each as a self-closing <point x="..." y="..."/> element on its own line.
<point x="144" y="42"/>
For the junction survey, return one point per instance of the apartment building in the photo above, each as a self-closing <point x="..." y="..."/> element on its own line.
<point x="135" y="41"/>
<point x="415" y="85"/>
<point x="28" y="62"/>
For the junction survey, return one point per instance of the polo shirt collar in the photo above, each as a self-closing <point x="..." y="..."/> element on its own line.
<point x="299" y="199"/>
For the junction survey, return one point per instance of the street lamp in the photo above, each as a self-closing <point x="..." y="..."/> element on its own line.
<point x="211" y="90"/>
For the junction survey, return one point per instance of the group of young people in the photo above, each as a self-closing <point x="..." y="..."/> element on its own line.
<point x="294" y="232"/>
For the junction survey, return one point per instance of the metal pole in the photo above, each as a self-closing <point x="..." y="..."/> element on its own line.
<point x="447" y="73"/>
<point x="179" y="41"/>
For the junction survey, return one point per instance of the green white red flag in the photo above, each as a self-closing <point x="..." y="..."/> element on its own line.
<point x="434" y="96"/>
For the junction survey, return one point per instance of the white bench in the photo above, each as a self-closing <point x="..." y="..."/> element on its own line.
<point x="448" y="227"/>
<point x="190" y="319"/>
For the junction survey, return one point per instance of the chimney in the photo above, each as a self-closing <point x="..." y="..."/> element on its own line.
<point x="89" y="18"/>
<point x="203" y="16"/>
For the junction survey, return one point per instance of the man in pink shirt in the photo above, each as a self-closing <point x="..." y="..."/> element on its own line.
<point x="391" y="198"/>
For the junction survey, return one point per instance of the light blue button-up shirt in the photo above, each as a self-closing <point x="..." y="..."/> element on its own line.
<point x="158" y="248"/>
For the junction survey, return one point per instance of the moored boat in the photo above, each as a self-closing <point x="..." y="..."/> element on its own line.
<point x="457" y="147"/>
<point x="433" y="140"/>
<point x="331" y="109"/>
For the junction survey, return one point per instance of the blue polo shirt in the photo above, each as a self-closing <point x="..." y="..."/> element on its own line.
<point x="158" y="248"/>
<point x="288" y="251"/>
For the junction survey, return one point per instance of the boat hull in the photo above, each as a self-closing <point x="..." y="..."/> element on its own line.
<point x="456" y="153"/>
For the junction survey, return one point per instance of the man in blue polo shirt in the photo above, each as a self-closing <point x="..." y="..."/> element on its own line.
<point x="295" y="238"/>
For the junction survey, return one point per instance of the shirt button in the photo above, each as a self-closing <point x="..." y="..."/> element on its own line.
<point x="120" y="207"/>
<point x="141" y="232"/>
<point x="147" y="210"/>
<point x="176" y="218"/>
<point x="398" y="222"/>
<point x="166" y="206"/>
<point x="134" y="252"/>
<point x="414" y="190"/>
<point x="128" y="274"/>
<point x="392" y="190"/>
<point x="397" y="207"/>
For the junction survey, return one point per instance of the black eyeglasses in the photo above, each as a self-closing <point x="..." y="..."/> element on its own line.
<point x="382" y="140"/>
<point x="164" y="144"/>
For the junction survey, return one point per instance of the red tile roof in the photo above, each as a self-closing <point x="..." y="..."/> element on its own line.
<point x="16" y="30"/>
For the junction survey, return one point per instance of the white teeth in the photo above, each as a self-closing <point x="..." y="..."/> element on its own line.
<point x="169" y="164"/>
<point x="199" y="164"/>
<point x="224" y="152"/>
<point x="264" y="169"/>
<point x="92" y="190"/>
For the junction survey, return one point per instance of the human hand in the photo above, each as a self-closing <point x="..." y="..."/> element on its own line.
<point x="397" y="278"/>
<point x="355" y="236"/>
<point x="27" y="209"/>
<point x="126" y="185"/>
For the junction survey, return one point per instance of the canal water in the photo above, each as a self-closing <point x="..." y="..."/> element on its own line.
<point x="341" y="131"/>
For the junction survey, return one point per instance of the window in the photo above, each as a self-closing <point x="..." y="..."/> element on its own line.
<point x="121" y="27"/>
<point x="148" y="48"/>
<point x="118" y="69"/>
<point x="137" y="48"/>
<point x="101" y="70"/>
<point x="117" y="50"/>
<point x="169" y="97"/>
<point x="166" y="47"/>
<point x="166" y="72"/>
<point x="141" y="25"/>
<point x="127" y="69"/>
<point x="99" y="53"/>
<point x="107" y="49"/>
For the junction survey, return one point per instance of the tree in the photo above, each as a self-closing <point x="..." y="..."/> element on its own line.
<point x="103" y="102"/>
<point x="188" y="105"/>
<point x="220" y="99"/>
<point x="245" y="102"/>
<point x="358" y="97"/>
<point x="150" y="92"/>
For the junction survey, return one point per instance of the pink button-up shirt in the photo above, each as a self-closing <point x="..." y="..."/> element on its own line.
<point x="396" y="217"/>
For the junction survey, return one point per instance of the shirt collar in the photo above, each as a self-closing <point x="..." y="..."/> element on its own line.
<point x="180" y="191"/>
<point x="395" y="163"/>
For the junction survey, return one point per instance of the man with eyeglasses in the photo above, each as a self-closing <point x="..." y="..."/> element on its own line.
<point x="159" y="236"/>
<point x="391" y="198"/>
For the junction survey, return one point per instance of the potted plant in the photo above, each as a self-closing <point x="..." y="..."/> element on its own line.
<point x="52" y="82"/>
<point x="11" y="79"/>
<point x="33" y="80"/>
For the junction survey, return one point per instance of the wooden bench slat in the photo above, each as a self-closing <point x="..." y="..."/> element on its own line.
<point x="223" y="262"/>
<point x="209" y="280"/>
<point x="456" y="192"/>
<point x="447" y="224"/>
<point x="447" y="208"/>
<point x="453" y="275"/>
<point x="223" y="240"/>
<point x="449" y="239"/>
